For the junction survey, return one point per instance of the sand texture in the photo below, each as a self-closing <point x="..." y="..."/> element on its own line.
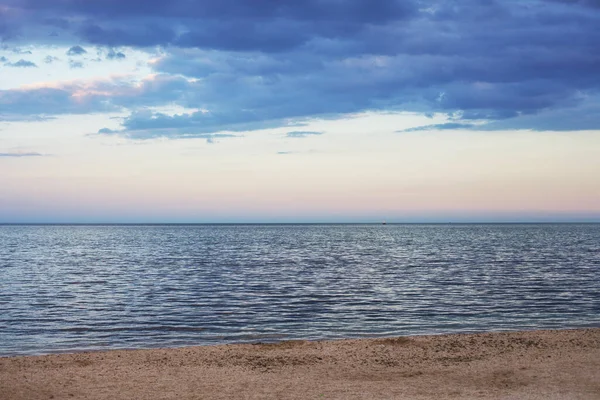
<point x="519" y="365"/>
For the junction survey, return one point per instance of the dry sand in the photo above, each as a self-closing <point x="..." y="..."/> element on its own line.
<point x="519" y="365"/>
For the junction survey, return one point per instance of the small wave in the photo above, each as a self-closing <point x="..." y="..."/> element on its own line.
<point x="152" y="328"/>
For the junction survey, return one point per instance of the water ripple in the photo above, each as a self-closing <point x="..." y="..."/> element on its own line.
<point x="72" y="288"/>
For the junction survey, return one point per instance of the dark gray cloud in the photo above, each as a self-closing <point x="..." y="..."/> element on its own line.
<point x="266" y="63"/>
<point x="76" y="51"/>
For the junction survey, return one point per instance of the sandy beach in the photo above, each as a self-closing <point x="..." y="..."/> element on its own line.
<point x="518" y="365"/>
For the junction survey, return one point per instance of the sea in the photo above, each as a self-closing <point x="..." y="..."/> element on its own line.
<point x="71" y="288"/>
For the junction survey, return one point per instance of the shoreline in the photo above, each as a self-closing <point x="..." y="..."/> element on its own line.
<point x="276" y="339"/>
<point x="545" y="364"/>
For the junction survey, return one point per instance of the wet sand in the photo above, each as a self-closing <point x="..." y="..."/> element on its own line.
<point x="519" y="365"/>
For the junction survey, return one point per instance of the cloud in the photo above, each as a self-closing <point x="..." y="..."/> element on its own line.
<point x="250" y="65"/>
<point x="146" y="23"/>
<point x="18" y="50"/>
<point x="302" y="134"/>
<point x="22" y="64"/>
<point x="115" y="94"/>
<point x="439" y="127"/>
<point x="586" y="3"/>
<point x="21" y="155"/>
<point x="115" y="55"/>
<point x="578" y="117"/>
<point x="3" y="59"/>
<point x="5" y="117"/>
<point x="136" y="35"/>
<point x="287" y="152"/>
<point x="148" y="124"/>
<point x="50" y="59"/>
<point x="147" y="134"/>
<point x="75" y="64"/>
<point x="44" y="101"/>
<point x="76" y="51"/>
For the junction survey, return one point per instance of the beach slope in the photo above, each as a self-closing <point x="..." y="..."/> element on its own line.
<point x="518" y="365"/>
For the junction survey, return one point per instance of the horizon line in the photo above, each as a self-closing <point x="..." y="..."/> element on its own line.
<point x="491" y="222"/>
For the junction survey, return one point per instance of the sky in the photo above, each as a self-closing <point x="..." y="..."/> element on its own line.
<point x="299" y="111"/>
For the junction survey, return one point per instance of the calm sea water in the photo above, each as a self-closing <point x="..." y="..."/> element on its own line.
<point x="72" y="288"/>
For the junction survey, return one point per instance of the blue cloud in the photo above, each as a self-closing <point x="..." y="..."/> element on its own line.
<point x="50" y="59"/>
<point x="41" y="103"/>
<point x="100" y="96"/>
<point x="587" y="3"/>
<point x="142" y="35"/>
<point x="18" y="50"/>
<point x="257" y="64"/>
<point x="577" y="117"/>
<point x="76" y="51"/>
<point x="197" y="123"/>
<point x="156" y="133"/>
<point x="22" y="64"/>
<point x="75" y="64"/>
<point x="21" y="155"/>
<point x="229" y="24"/>
<point x="115" y="55"/>
<point x="438" y="127"/>
<point x="302" y="134"/>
